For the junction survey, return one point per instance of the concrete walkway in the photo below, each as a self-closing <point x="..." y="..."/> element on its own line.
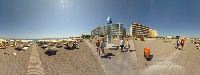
<point x="164" y="54"/>
<point x="166" y="67"/>
<point x="120" y="63"/>
<point x="34" y="67"/>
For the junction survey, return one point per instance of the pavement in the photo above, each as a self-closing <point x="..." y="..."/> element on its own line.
<point x="118" y="64"/>
<point x="14" y="64"/>
<point x="166" y="59"/>
<point x="34" y="67"/>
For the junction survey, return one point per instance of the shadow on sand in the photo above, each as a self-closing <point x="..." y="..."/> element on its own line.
<point x="131" y="50"/>
<point x="108" y="55"/>
<point x="18" y="49"/>
<point x="150" y="58"/>
<point x="68" y="48"/>
<point x="51" y="52"/>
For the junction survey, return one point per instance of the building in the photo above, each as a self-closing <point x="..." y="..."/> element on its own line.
<point x="153" y="33"/>
<point x="138" y="30"/>
<point x="115" y="30"/>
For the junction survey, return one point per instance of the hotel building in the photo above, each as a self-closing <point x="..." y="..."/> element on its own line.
<point x="115" y="30"/>
<point x="139" y="30"/>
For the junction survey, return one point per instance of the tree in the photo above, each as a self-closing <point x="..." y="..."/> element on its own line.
<point x="86" y="36"/>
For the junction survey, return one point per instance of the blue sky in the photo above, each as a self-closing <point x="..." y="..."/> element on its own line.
<point x="63" y="18"/>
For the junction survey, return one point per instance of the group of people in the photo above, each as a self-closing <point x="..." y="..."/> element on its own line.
<point x="124" y="45"/>
<point x="180" y="42"/>
<point x="100" y="44"/>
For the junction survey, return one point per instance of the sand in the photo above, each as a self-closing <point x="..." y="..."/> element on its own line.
<point x="14" y="64"/>
<point x="71" y="62"/>
<point x="84" y="61"/>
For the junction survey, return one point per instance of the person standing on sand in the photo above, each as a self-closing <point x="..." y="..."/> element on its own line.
<point x="102" y="45"/>
<point x="182" y="43"/>
<point x="178" y="44"/>
<point x="122" y="44"/>
<point x="98" y="46"/>
<point x="127" y="46"/>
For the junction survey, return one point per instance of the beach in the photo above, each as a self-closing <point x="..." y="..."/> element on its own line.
<point x="167" y="60"/>
<point x="71" y="62"/>
<point x="14" y="64"/>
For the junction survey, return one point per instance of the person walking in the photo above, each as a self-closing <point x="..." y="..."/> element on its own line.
<point x="102" y="45"/>
<point x="127" y="46"/>
<point x="182" y="43"/>
<point x="122" y="44"/>
<point x="98" y="46"/>
<point x="178" y="43"/>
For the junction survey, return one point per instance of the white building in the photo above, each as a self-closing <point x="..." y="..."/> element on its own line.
<point x="115" y="30"/>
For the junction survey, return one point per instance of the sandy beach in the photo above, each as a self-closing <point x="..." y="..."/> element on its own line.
<point x="14" y="64"/>
<point x="71" y="62"/>
<point x="85" y="61"/>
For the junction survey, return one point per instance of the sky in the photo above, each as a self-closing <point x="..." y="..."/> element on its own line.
<point x="64" y="18"/>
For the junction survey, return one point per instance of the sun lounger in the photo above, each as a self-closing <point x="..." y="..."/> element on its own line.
<point x="25" y="48"/>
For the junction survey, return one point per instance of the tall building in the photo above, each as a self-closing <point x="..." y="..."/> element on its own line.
<point x="153" y="33"/>
<point x="115" y="30"/>
<point x="138" y="30"/>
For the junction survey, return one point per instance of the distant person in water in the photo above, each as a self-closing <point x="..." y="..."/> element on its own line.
<point x="121" y="42"/>
<point x="98" y="46"/>
<point x="182" y="43"/>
